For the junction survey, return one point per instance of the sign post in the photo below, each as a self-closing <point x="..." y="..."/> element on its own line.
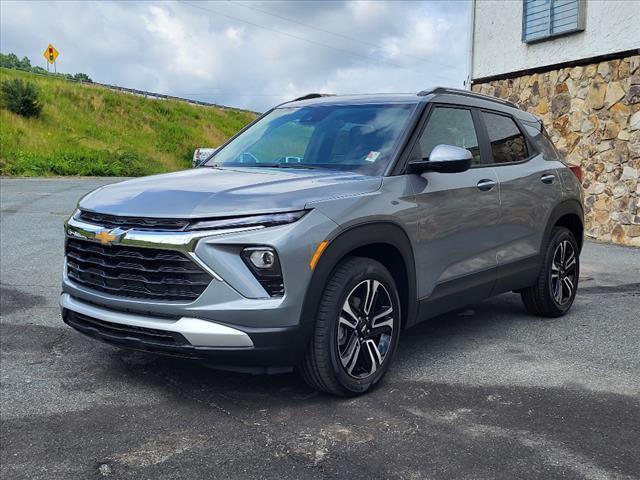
<point x="50" y="55"/>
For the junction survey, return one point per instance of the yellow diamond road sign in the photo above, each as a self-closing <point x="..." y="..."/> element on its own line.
<point x="50" y="54"/>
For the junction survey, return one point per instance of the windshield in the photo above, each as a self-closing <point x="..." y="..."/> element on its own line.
<point x="359" y="138"/>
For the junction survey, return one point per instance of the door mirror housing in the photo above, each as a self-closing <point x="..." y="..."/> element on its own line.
<point x="200" y="155"/>
<point x="443" y="159"/>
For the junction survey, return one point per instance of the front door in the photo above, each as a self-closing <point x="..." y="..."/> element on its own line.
<point x="458" y="214"/>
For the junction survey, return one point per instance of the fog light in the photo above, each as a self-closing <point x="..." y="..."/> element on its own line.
<point x="265" y="266"/>
<point x="262" y="258"/>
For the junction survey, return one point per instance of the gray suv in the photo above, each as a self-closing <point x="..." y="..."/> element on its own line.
<point x="324" y="229"/>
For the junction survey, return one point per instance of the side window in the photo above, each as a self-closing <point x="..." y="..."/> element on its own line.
<point x="507" y="142"/>
<point x="451" y="126"/>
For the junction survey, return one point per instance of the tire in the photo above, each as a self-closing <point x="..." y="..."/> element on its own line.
<point x="352" y="346"/>
<point x="544" y="298"/>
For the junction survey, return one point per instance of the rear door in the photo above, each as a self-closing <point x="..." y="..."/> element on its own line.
<point x="458" y="213"/>
<point x="529" y="189"/>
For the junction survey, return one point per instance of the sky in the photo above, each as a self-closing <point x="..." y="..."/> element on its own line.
<point x="247" y="54"/>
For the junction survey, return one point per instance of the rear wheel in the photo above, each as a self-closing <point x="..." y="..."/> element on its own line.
<point x="356" y="330"/>
<point x="555" y="289"/>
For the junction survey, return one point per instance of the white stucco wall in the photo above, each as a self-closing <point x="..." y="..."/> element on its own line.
<point x="611" y="26"/>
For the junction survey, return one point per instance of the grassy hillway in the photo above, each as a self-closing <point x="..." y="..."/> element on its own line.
<point x="89" y="130"/>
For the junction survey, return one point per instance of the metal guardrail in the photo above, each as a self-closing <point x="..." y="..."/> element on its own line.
<point x="134" y="91"/>
<point x="162" y="96"/>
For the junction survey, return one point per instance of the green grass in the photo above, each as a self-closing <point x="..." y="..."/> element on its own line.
<point x="90" y="130"/>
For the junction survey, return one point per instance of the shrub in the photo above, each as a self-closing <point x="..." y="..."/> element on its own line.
<point x="21" y="97"/>
<point x="79" y="161"/>
<point x="82" y="77"/>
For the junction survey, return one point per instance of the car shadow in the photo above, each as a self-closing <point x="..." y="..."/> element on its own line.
<point x="479" y="318"/>
<point x="195" y="380"/>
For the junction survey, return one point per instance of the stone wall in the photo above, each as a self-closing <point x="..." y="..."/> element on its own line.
<point x="592" y="113"/>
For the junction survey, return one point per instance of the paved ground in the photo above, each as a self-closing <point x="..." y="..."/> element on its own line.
<point x="489" y="394"/>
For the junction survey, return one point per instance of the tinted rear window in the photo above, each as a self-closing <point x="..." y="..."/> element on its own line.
<point x="508" y="144"/>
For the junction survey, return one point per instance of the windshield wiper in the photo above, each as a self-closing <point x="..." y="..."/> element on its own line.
<point x="261" y="165"/>
<point x="285" y="165"/>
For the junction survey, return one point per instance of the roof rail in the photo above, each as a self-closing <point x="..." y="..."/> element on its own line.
<point x="466" y="93"/>
<point x="308" y="96"/>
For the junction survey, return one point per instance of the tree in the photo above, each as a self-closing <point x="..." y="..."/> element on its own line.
<point x="82" y="77"/>
<point x="21" y="97"/>
<point x="9" y="61"/>
<point x="24" y="64"/>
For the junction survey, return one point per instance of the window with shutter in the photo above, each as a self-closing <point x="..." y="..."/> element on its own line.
<point x="543" y="19"/>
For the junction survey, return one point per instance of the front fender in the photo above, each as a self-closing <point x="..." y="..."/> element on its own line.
<point x="347" y="241"/>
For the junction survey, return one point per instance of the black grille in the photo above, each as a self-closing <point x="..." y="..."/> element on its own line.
<point x="274" y="287"/>
<point x="137" y="223"/>
<point x="118" y="331"/>
<point x="135" y="272"/>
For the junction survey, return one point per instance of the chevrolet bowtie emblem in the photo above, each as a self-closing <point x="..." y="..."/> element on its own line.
<point x="105" y="237"/>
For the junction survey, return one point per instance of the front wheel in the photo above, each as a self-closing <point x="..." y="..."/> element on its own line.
<point x="356" y="330"/>
<point x="555" y="289"/>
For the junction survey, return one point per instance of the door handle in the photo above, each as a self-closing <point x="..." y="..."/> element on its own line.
<point x="486" y="184"/>
<point x="548" y="178"/>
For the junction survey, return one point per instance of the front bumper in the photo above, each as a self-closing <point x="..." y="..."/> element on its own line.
<point x="255" y="350"/>
<point x="233" y="322"/>
<point x="198" y="333"/>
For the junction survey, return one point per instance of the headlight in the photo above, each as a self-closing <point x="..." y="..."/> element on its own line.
<point x="268" y="220"/>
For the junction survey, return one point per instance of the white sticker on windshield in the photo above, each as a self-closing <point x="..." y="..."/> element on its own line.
<point x="372" y="157"/>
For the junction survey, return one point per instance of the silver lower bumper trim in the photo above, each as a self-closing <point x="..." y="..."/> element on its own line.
<point x="200" y="333"/>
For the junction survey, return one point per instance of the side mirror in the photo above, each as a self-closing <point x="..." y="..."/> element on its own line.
<point x="443" y="159"/>
<point x="200" y="155"/>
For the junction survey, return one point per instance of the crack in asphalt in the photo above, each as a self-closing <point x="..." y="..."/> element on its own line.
<point x="624" y="288"/>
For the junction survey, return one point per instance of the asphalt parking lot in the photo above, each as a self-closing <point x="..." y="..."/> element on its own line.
<point x="487" y="393"/>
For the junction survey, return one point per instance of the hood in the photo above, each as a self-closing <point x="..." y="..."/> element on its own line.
<point x="209" y="192"/>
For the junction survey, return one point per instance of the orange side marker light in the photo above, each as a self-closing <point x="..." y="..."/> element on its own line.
<point x="316" y="256"/>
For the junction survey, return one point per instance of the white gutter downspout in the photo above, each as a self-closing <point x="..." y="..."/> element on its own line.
<point x="472" y="31"/>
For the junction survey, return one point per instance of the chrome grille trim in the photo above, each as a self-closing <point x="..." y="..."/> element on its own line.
<point x="184" y="242"/>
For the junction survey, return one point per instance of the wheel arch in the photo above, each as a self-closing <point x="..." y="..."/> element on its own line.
<point x="567" y="214"/>
<point x="383" y="241"/>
